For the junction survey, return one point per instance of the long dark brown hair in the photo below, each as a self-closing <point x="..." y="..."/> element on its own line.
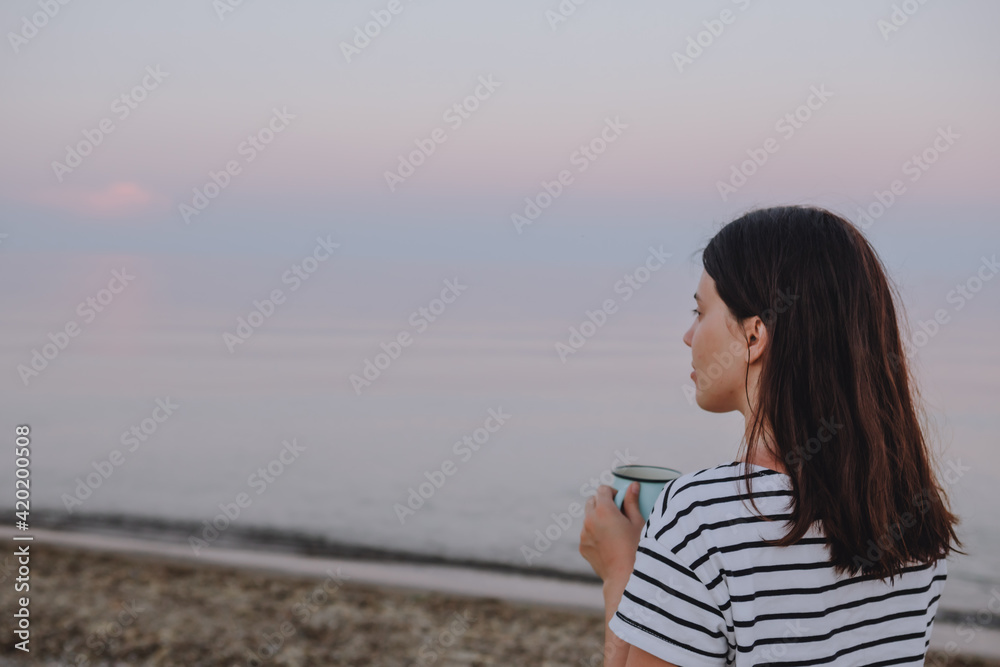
<point x="835" y="389"/>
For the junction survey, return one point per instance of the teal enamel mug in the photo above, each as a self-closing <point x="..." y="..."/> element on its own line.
<point x="651" y="482"/>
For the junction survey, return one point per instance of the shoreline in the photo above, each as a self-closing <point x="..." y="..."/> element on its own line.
<point x="396" y="575"/>
<point x="74" y="571"/>
<point x="172" y="531"/>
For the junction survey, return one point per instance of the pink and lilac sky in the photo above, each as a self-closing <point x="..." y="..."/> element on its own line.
<point x="688" y="121"/>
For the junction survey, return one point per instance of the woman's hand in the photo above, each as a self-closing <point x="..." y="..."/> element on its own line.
<point x="609" y="538"/>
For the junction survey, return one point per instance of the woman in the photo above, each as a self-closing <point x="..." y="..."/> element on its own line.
<point x="824" y="544"/>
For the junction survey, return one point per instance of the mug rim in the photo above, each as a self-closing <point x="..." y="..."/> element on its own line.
<point x="616" y="472"/>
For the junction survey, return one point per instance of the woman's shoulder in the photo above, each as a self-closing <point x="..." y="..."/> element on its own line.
<point x="711" y="490"/>
<point x="725" y="479"/>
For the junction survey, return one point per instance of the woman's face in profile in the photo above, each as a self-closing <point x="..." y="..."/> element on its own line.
<point x="718" y="355"/>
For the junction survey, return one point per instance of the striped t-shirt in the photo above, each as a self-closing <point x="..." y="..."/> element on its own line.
<point x="705" y="590"/>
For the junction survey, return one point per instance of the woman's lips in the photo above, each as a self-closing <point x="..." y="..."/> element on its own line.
<point x="692" y="375"/>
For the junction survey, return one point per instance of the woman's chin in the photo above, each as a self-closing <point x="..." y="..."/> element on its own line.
<point x="706" y="403"/>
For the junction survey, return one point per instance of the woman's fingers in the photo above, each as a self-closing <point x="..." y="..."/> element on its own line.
<point x="606" y="494"/>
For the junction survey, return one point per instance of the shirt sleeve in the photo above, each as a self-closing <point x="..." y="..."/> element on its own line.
<point x="667" y="610"/>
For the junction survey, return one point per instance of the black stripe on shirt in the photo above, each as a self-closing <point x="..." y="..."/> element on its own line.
<point x="656" y="634"/>
<point x="919" y="659"/>
<point x="780" y="567"/>
<point x="840" y="607"/>
<point x="677" y="566"/>
<point x="806" y="591"/>
<point x="666" y="494"/>
<point x="715" y="501"/>
<point x="677" y="594"/>
<point x="757" y="544"/>
<point x="846" y="628"/>
<point x="850" y="649"/>
<point x="714" y="634"/>
<point x="720" y="480"/>
<point x="727" y="523"/>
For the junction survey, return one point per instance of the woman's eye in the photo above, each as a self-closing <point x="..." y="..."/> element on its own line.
<point x="696" y="312"/>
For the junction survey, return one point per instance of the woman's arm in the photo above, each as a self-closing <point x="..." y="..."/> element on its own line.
<point x="608" y="541"/>
<point x="618" y="652"/>
<point x="616" y="649"/>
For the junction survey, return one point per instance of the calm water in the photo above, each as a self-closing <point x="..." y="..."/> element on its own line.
<point x="356" y="458"/>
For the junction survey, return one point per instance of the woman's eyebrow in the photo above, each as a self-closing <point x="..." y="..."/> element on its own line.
<point x="697" y="298"/>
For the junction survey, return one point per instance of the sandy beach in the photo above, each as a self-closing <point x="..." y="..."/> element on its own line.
<point x="104" y="608"/>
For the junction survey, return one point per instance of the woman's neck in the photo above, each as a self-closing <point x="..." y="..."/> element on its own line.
<point x="767" y="460"/>
<point x="763" y="452"/>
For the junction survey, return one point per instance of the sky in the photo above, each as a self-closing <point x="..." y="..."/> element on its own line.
<point x="314" y="128"/>
<point x="223" y="73"/>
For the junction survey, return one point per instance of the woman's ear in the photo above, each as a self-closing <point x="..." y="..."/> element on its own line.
<point x="757" y="338"/>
